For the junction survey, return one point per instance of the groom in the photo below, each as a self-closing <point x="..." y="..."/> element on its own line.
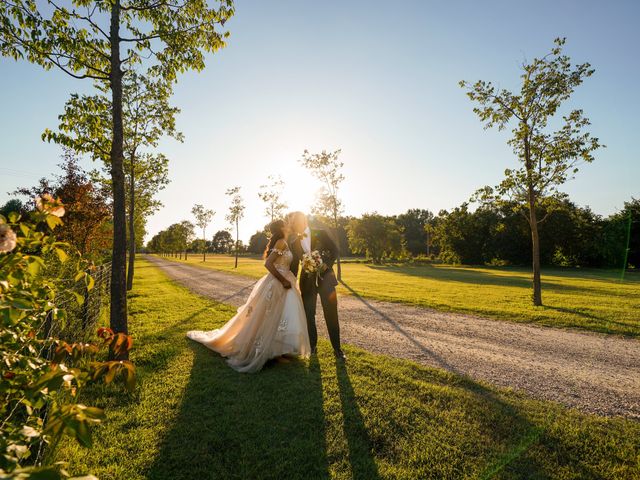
<point x="305" y="240"/>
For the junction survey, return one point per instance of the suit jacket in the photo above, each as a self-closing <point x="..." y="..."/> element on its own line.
<point x="321" y="241"/>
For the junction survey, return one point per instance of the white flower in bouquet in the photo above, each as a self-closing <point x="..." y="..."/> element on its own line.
<point x="312" y="262"/>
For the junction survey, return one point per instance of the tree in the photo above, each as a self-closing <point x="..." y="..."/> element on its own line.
<point x="271" y="195"/>
<point x="85" y="127"/>
<point x="414" y="225"/>
<point x="203" y="219"/>
<point x="85" y="41"/>
<point x="547" y="159"/>
<point x="326" y="167"/>
<point x="222" y="242"/>
<point x="88" y="211"/>
<point x="375" y="235"/>
<point x="258" y="242"/>
<point x="236" y="213"/>
<point x="13" y="205"/>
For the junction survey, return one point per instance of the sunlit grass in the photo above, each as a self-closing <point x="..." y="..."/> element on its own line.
<point x="591" y="299"/>
<point x="192" y="417"/>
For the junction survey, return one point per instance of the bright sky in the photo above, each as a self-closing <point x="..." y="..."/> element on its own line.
<point x="377" y="79"/>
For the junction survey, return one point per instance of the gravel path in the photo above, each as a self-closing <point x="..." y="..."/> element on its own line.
<point x="592" y="372"/>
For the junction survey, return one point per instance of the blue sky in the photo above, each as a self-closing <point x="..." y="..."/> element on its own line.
<point x="378" y="80"/>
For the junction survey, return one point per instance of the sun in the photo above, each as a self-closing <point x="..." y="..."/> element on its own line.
<point x="300" y="188"/>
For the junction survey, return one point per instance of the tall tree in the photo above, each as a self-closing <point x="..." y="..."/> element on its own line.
<point x="222" y="242"/>
<point x="85" y="127"/>
<point x="326" y="167"/>
<point x="271" y="195"/>
<point x="415" y="224"/>
<point x="547" y="158"/>
<point x="85" y="40"/>
<point x="375" y="235"/>
<point x="203" y="219"/>
<point x="236" y="213"/>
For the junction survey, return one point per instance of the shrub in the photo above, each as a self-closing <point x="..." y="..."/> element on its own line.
<point x="41" y="376"/>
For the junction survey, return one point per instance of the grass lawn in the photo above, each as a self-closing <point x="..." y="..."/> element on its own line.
<point x="592" y="299"/>
<point x="192" y="417"/>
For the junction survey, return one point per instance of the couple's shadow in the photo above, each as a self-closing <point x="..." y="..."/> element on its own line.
<point x="265" y="425"/>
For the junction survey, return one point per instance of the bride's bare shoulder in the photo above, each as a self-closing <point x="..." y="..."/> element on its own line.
<point x="281" y="244"/>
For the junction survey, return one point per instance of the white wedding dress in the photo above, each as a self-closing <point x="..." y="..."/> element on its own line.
<point x="270" y="324"/>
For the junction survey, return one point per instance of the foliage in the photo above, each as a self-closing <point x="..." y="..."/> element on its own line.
<point x="203" y="219"/>
<point x="258" y="242"/>
<point x="415" y="225"/>
<point x="236" y="213"/>
<point x="222" y="242"/>
<point x="376" y="236"/>
<point x="377" y="418"/>
<point x="271" y="195"/>
<point x="175" y="239"/>
<point x="42" y="377"/>
<point x="86" y="40"/>
<point x="87" y="223"/>
<point x="547" y="159"/>
<point x="13" y="205"/>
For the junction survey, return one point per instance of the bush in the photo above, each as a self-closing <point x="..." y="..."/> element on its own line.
<point x="42" y="376"/>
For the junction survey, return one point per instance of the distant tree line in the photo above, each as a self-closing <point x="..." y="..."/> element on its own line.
<point x="497" y="234"/>
<point x="572" y="236"/>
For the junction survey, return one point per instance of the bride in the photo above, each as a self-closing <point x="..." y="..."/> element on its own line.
<point x="272" y="322"/>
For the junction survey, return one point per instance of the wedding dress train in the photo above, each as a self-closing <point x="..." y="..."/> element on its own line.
<point x="271" y="323"/>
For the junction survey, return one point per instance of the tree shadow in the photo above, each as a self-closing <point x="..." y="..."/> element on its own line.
<point x="601" y="321"/>
<point x="511" y="462"/>
<point x="363" y="465"/>
<point x="517" y="278"/>
<point x="441" y="362"/>
<point x="238" y="426"/>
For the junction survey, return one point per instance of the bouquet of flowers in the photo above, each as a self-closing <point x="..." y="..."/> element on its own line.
<point x="313" y="264"/>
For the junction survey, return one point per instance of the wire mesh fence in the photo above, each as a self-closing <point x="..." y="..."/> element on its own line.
<point x="80" y="322"/>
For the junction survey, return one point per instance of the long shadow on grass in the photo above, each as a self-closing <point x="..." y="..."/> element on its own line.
<point x="514" y="461"/>
<point x="486" y="277"/>
<point x="441" y="362"/>
<point x="239" y="426"/>
<point x="361" y="459"/>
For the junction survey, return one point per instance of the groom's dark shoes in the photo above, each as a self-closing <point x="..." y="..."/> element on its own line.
<point x="340" y="356"/>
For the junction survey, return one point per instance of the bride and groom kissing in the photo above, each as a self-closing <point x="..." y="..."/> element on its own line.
<point x="279" y="318"/>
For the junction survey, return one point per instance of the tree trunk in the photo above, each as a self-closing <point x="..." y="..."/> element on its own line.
<point x="118" y="314"/>
<point x="237" y="240"/>
<point x="132" y="230"/>
<point x="338" y="244"/>
<point x="204" y="246"/>
<point x="535" y="245"/>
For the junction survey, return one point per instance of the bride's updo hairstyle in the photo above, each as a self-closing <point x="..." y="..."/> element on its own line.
<point x="277" y="232"/>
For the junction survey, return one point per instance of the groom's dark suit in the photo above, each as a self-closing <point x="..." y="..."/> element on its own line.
<point x="321" y="241"/>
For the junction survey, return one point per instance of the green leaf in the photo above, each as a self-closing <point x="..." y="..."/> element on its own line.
<point x="62" y="255"/>
<point x="53" y="221"/>
<point x="79" y="297"/>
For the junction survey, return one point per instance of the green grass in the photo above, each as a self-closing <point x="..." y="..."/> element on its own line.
<point x="593" y="299"/>
<point x="192" y="417"/>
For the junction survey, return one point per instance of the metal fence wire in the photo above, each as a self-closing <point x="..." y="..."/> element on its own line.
<point x="81" y="320"/>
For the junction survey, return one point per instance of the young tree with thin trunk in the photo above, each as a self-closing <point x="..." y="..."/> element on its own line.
<point x="86" y="40"/>
<point x="547" y="158"/>
<point x="236" y="213"/>
<point x="326" y="167"/>
<point x="85" y="127"/>
<point x="203" y="219"/>
<point x="271" y="195"/>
